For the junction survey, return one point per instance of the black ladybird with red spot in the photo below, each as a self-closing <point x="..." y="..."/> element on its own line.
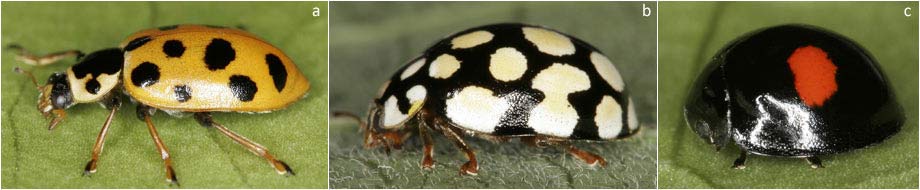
<point x="793" y="91"/>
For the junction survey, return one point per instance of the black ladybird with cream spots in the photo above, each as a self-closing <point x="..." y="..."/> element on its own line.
<point x="505" y="81"/>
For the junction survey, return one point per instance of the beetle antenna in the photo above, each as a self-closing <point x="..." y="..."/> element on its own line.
<point x="348" y="115"/>
<point x="41" y="60"/>
<point x="370" y="134"/>
<point x="28" y="73"/>
<point x="361" y="124"/>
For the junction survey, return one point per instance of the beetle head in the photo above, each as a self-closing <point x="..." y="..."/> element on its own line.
<point x="372" y="127"/>
<point x="707" y="108"/>
<point x="373" y="133"/>
<point x="54" y="97"/>
<point x="55" y="94"/>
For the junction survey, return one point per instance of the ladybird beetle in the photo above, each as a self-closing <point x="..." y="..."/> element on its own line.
<point x="499" y="82"/>
<point x="793" y="91"/>
<point x="178" y="69"/>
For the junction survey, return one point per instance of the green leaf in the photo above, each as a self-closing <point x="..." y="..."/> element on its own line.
<point x="34" y="157"/>
<point x="691" y="33"/>
<point x="371" y="41"/>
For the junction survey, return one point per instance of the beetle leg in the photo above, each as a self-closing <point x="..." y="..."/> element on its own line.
<point x="28" y="58"/>
<point x="59" y="115"/>
<point x="204" y="118"/>
<point x="113" y="103"/>
<point x="427" y="148"/>
<point x="428" y="143"/>
<point x="145" y="112"/>
<point x="739" y="163"/>
<point x="470" y="167"/>
<point x="397" y="137"/>
<point x="373" y="139"/>
<point x="541" y="141"/>
<point x="815" y="162"/>
<point x="588" y="157"/>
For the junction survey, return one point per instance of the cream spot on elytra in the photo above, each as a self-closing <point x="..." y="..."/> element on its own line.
<point x="607" y="71"/>
<point x="443" y="67"/>
<point x="392" y="117"/>
<point x="549" y="42"/>
<point x="507" y="64"/>
<point x="471" y="39"/>
<point x="475" y="108"/>
<point x="555" y="116"/>
<point x="609" y="118"/>
<point x="631" y="115"/>
<point x="412" y="69"/>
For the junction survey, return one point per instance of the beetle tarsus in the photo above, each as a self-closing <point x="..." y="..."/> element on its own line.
<point x="90" y="168"/>
<point x="287" y="169"/>
<point x="58" y="116"/>
<point x="470" y="167"/>
<point x="815" y="162"/>
<point x="171" y="176"/>
<point x="739" y="163"/>
<point x="588" y="157"/>
<point x="427" y="159"/>
<point x="13" y="47"/>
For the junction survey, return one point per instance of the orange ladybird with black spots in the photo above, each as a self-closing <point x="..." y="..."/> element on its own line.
<point x="181" y="70"/>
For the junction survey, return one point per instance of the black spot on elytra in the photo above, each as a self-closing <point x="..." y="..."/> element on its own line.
<point x="213" y="26"/>
<point x="243" y="87"/>
<point x="107" y="61"/>
<point x="92" y="86"/>
<point x="136" y="43"/>
<point x="183" y="93"/>
<point x="170" y="27"/>
<point x="219" y="54"/>
<point x="277" y="70"/>
<point x="173" y="48"/>
<point x="145" y="74"/>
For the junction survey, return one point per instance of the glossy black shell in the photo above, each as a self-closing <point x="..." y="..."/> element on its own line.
<point x="747" y="95"/>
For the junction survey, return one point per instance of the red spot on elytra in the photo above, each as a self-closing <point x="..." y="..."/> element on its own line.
<point x="814" y="75"/>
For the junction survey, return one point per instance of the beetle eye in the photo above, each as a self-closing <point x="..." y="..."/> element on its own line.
<point x="59" y="101"/>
